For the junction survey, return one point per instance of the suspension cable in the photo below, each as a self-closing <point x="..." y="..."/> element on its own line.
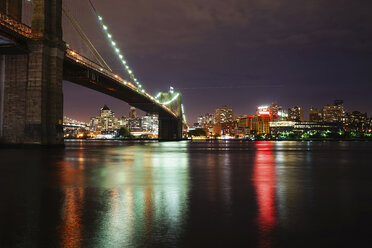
<point x="116" y="49"/>
<point x="85" y="39"/>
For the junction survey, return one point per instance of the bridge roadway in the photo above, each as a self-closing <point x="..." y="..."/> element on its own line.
<point x="80" y="70"/>
<point x="15" y="37"/>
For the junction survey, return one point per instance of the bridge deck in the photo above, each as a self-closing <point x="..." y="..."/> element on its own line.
<point x="82" y="71"/>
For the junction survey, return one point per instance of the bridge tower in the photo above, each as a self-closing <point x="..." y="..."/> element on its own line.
<point x="31" y="102"/>
<point x="170" y="128"/>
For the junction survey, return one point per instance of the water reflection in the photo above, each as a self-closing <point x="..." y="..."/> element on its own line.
<point x="264" y="182"/>
<point x="210" y="194"/>
<point x="129" y="194"/>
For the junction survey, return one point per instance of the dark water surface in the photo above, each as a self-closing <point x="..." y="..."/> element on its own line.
<point x="183" y="194"/>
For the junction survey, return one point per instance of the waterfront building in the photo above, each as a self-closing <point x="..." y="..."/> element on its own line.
<point x="315" y="115"/>
<point x="132" y="113"/>
<point x="134" y="124"/>
<point x="106" y="121"/>
<point x="200" y="122"/>
<point x="224" y="115"/>
<point x="244" y="125"/>
<point x="295" y="114"/>
<point x="334" y="113"/>
<point x="356" y="121"/>
<point x="277" y="112"/>
<point x="260" y="124"/>
<point x="303" y="126"/>
<point x="150" y="123"/>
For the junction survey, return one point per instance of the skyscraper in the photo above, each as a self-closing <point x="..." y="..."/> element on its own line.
<point x="334" y="113"/>
<point x="295" y="114"/>
<point x="356" y="121"/>
<point x="105" y="122"/>
<point x="315" y="115"/>
<point x="224" y="115"/>
<point x="132" y="113"/>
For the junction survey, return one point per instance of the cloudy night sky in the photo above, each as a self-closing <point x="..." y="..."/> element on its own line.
<point x="242" y="53"/>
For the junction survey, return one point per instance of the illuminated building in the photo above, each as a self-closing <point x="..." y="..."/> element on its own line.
<point x="277" y="112"/>
<point x="315" y="115"/>
<point x="228" y="128"/>
<point x="334" y="113"/>
<point x="224" y="115"/>
<point x="274" y="110"/>
<point x="264" y="111"/>
<point x="260" y="124"/>
<point x="132" y="113"/>
<point x="303" y="126"/>
<point x="295" y="114"/>
<point x="150" y="123"/>
<point x="244" y="125"/>
<point x="134" y="124"/>
<point x="200" y="122"/>
<point x="356" y="121"/>
<point x="245" y="121"/>
<point x="105" y="122"/>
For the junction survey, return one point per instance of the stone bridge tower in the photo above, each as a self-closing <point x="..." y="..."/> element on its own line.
<point x="171" y="128"/>
<point x="31" y="103"/>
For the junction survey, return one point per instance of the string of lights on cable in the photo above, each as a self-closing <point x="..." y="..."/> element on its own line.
<point x="116" y="49"/>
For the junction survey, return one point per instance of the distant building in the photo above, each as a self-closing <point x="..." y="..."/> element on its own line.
<point x="315" y="115"/>
<point x="260" y="124"/>
<point x="304" y="126"/>
<point x="224" y="115"/>
<point x="105" y="122"/>
<point x="334" y="113"/>
<point x="150" y="123"/>
<point x="295" y="114"/>
<point x="206" y="120"/>
<point x="244" y="124"/>
<point x="132" y="113"/>
<point x="134" y="124"/>
<point x="274" y="110"/>
<point x="356" y="121"/>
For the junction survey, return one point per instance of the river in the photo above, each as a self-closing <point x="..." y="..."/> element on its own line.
<point x="187" y="194"/>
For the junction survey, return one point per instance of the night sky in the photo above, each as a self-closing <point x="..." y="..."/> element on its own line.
<point x="242" y="53"/>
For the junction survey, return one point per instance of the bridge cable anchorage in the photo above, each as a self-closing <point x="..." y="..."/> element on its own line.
<point x="86" y="40"/>
<point x="116" y="49"/>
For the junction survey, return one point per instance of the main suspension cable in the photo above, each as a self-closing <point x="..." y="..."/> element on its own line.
<point x="86" y="40"/>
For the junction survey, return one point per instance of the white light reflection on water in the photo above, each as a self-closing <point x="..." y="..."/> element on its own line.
<point x="142" y="190"/>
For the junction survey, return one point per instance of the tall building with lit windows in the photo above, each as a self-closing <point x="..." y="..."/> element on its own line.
<point x="356" y="121"/>
<point x="132" y="113"/>
<point x="335" y="112"/>
<point x="296" y="114"/>
<point x="105" y="122"/>
<point x="315" y="115"/>
<point x="224" y="115"/>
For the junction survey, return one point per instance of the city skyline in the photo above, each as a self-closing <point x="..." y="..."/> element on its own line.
<point x="241" y="53"/>
<point x="170" y="123"/>
<point x="124" y="112"/>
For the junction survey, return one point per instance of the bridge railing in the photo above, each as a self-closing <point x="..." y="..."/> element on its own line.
<point x="16" y="26"/>
<point x="92" y="65"/>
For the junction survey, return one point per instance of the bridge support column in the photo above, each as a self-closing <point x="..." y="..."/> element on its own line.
<point x="170" y="129"/>
<point x="33" y="98"/>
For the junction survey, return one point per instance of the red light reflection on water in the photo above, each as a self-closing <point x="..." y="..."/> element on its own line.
<point x="264" y="183"/>
<point x="71" y="227"/>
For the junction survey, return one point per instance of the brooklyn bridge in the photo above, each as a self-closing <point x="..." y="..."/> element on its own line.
<point x="34" y="62"/>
